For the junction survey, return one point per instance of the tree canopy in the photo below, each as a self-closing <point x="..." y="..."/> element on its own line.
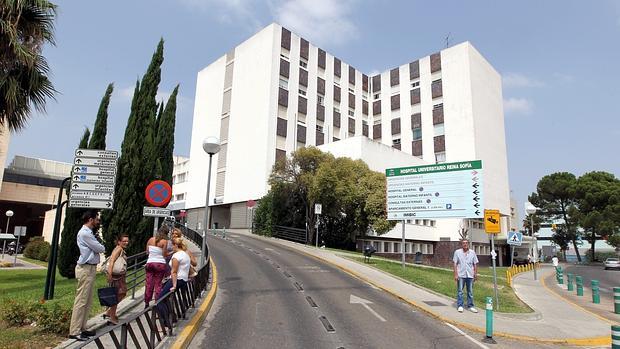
<point x="352" y="198"/>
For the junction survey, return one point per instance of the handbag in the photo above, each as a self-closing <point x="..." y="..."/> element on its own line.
<point x="107" y="296"/>
<point x="119" y="267"/>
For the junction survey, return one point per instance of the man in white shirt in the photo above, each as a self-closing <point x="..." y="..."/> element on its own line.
<point x="465" y="273"/>
<point x="85" y="273"/>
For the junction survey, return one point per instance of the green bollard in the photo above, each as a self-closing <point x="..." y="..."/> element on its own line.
<point x="560" y="276"/>
<point x="617" y="300"/>
<point x="489" y="321"/>
<point x="569" y="282"/>
<point x="615" y="336"/>
<point x="579" y="281"/>
<point x="596" y="297"/>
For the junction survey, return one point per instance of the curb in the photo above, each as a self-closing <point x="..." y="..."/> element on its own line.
<point x="592" y="341"/>
<point x="188" y="333"/>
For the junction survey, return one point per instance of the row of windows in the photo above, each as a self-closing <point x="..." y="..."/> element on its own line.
<point x="395" y="247"/>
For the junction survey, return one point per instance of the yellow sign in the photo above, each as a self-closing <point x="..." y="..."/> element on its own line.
<point x="491" y="221"/>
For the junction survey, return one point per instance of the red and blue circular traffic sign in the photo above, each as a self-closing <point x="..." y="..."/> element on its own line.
<point x="158" y="193"/>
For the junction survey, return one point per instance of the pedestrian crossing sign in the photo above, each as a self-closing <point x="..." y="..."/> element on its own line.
<point x="515" y="238"/>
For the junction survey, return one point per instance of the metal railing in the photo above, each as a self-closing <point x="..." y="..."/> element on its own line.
<point x="190" y="234"/>
<point x="291" y="234"/>
<point x="149" y="327"/>
<point x="136" y="275"/>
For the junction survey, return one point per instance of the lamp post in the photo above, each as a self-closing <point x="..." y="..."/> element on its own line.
<point x="9" y="214"/>
<point x="531" y="210"/>
<point x="211" y="146"/>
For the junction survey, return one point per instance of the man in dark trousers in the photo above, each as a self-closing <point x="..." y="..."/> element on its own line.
<point x="85" y="273"/>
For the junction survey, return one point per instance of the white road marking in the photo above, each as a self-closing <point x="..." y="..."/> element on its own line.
<point x="357" y="300"/>
<point x="467" y="336"/>
<point x="272" y="250"/>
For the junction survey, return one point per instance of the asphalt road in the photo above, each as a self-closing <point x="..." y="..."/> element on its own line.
<point x="608" y="279"/>
<point x="262" y="302"/>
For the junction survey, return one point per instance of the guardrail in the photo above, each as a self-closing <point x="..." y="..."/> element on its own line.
<point x="291" y="234"/>
<point x="150" y="326"/>
<point x="136" y="274"/>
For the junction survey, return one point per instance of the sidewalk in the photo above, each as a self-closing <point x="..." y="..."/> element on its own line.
<point x="554" y="320"/>
<point x="21" y="264"/>
<point x="605" y="309"/>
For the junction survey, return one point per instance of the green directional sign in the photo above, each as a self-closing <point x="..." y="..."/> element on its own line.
<point x="435" y="191"/>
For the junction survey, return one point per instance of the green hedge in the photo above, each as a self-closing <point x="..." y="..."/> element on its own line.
<point x="50" y="317"/>
<point x="37" y="249"/>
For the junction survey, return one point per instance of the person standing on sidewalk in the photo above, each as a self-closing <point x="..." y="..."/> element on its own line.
<point x="465" y="273"/>
<point x="85" y="273"/>
<point x="155" y="267"/>
<point x="116" y="273"/>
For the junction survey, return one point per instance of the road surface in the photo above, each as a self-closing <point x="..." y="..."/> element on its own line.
<point x="273" y="297"/>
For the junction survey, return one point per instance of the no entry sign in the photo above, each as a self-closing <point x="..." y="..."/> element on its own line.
<point x="158" y="193"/>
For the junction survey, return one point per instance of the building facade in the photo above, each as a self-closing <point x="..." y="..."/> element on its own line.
<point x="276" y="92"/>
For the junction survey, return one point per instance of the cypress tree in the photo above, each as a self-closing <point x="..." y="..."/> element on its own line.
<point x="97" y="141"/>
<point x="135" y="169"/>
<point x="68" y="252"/>
<point x="164" y="143"/>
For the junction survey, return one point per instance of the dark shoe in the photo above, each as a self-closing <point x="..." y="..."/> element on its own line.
<point x="88" y="333"/>
<point x="111" y="323"/>
<point x="79" y="338"/>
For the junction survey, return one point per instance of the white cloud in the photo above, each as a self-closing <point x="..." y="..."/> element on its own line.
<point x="324" y="22"/>
<point x="518" y="106"/>
<point x="238" y="12"/>
<point x="520" y="80"/>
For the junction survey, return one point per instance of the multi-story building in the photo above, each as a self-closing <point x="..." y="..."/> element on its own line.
<point x="276" y="92"/>
<point x="180" y="176"/>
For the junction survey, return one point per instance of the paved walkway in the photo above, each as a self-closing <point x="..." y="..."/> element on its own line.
<point x="605" y="309"/>
<point x="21" y="264"/>
<point x="555" y="321"/>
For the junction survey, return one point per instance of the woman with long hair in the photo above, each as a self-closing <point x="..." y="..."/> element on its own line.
<point x="117" y="270"/>
<point x="155" y="264"/>
<point x="179" y="276"/>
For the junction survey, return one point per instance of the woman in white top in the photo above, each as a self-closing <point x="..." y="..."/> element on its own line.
<point x="180" y="263"/>
<point x="155" y="264"/>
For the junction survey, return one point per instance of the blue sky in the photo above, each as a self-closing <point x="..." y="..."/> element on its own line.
<point x="559" y="60"/>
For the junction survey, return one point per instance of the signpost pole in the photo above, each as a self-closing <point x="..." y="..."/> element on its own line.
<point x="402" y="247"/>
<point x="493" y="255"/>
<point x="155" y="226"/>
<point x="512" y="254"/>
<point x="317" y="232"/>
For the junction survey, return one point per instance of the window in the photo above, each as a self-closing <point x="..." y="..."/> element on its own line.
<point x="303" y="62"/>
<point x="439" y="130"/>
<point x="417" y="133"/>
<point x="386" y="246"/>
<point x="415" y="84"/>
<point x="351" y="112"/>
<point x="319" y="128"/>
<point x="433" y="223"/>
<point x="438" y="106"/>
<point x="179" y="197"/>
<point x="302" y="90"/>
<point x="284" y="83"/>
<point x="440" y="157"/>
<point x="351" y="90"/>
<point x="181" y="177"/>
<point x="417" y="221"/>
<point x="425" y="222"/>
<point x="320" y="99"/>
<point x="377" y="95"/>
<point x="396" y="247"/>
<point x="337" y="83"/>
<point x="396" y="141"/>
<point x="284" y="54"/>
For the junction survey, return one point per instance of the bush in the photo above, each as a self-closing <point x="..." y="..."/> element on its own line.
<point x="263" y="222"/>
<point x="37" y="249"/>
<point x="51" y="317"/>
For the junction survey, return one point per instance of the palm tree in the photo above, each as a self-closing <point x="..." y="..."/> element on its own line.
<point x="25" y="26"/>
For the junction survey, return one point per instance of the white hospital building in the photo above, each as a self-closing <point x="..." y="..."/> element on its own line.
<point x="276" y="92"/>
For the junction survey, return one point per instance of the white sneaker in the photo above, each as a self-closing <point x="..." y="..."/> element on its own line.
<point x="460" y="309"/>
<point x="473" y="310"/>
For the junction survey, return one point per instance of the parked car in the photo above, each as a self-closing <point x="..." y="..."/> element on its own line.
<point x="612" y="263"/>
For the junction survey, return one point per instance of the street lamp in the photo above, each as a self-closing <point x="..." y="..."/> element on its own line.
<point x="531" y="210"/>
<point x="9" y="214"/>
<point x="211" y="146"/>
